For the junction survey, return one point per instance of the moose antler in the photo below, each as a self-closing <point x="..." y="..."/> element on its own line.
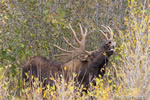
<point x="68" y="55"/>
<point x="110" y="32"/>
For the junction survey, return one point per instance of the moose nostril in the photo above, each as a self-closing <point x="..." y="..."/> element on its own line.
<point x="109" y="42"/>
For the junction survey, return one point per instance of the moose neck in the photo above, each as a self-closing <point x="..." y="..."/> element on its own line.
<point x="100" y="60"/>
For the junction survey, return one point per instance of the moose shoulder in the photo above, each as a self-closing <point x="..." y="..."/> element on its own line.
<point x="86" y="64"/>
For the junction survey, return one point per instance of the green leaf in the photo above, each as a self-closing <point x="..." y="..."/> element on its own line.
<point x="22" y="45"/>
<point x="13" y="58"/>
<point x="4" y="54"/>
<point x="32" y="35"/>
<point x="13" y="69"/>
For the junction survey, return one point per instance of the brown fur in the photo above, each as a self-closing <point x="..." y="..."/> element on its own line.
<point x="42" y="68"/>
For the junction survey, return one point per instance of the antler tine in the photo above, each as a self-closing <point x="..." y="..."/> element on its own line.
<point x="81" y="29"/>
<point x="74" y="34"/>
<point x="85" y="31"/>
<point x="63" y="49"/>
<point x="109" y="31"/>
<point x="83" y="34"/>
<point x="105" y="35"/>
<point x="69" y="43"/>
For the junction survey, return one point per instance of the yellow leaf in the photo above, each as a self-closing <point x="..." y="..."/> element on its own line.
<point x="4" y="21"/>
<point x="5" y="17"/>
<point x="71" y="88"/>
<point x="3" y="1"/>
<point x="18" y="62"/>
<point x="65" y="68"/>
<point x="44" y="95"/>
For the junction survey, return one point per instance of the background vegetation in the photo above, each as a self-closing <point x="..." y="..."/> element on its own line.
<point x="32" y="27"/>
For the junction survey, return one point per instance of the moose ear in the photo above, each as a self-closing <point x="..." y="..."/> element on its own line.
<point x="83" y="57"/>
<point x="95" y="53"/>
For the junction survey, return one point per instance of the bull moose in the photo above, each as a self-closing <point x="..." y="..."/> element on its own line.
<point x="86" y="64"/>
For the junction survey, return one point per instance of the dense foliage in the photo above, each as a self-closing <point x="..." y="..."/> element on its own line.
<point x="32" y="27"/>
